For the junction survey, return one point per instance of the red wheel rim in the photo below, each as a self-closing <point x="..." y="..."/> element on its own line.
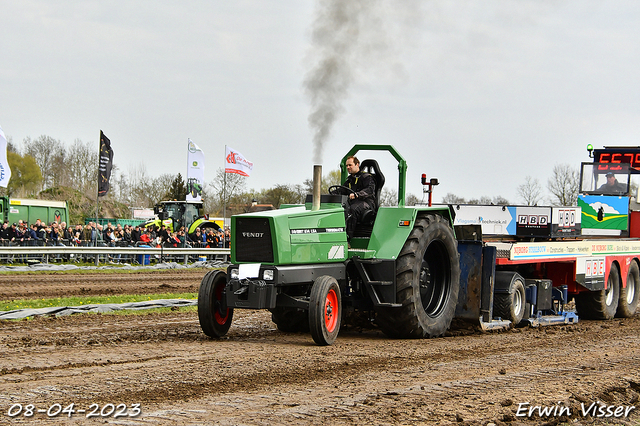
<point x="218" y="312"/>
<point x="331" y="311"/>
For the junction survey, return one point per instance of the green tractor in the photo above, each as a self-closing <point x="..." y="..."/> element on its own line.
<point x="175" y="214"/>
<point x="401" y="268"/>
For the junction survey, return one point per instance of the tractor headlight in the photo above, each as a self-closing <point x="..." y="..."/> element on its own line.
<point x="234" y="274"/>
<point x="268" y="275"/>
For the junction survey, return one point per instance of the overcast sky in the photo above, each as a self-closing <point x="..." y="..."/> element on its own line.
<point x="479" y="94"/>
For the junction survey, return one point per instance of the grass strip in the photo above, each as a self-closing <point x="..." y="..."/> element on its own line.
<point x="88" y="300"/>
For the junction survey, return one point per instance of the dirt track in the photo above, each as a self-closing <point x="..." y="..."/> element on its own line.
<point x="25" y="286"/>
<point x="259" y="375"/>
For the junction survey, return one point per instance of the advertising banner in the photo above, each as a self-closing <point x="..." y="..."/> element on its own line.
<point x="105" y="165"/>
<point x="195" y="172"/>
<point x="237" y="163"/>
<point x="604" y="215"/>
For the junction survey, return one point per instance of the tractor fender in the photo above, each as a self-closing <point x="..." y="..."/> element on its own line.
<point x="204" y="223"/>
<point x="505" y="281"/>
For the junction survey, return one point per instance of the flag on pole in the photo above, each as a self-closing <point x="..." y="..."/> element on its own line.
<point x="5" y="170"/>
<point x="106" y="163"/>
<point x="237" y="163"/>
<point x="195" y="172"/>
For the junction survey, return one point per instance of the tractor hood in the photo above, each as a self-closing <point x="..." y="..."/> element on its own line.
<point x="293" y="235"/>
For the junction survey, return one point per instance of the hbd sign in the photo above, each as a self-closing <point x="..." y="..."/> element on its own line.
<point x="533" y="220"/>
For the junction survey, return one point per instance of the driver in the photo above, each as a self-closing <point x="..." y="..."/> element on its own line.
<point x="612" y="185"/>
<point x="361" y="196"/>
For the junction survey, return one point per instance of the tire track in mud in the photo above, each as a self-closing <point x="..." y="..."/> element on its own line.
<point x="45" y="285"/>
<point x="258" y="375"/>
<point x="71" y="365"/>
<point x="451" y="363"/>
<point x="419" y="394"/>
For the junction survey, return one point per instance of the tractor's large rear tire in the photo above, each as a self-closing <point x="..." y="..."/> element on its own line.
<point x="291" y="320"/>
<point x="427" y="282"/>
<point x="325" y="310"/>
<point x="601" y="304"/>
<point x="510" y="306"/>
<point x="628" y="301"/>
<point x="215" y="318"/>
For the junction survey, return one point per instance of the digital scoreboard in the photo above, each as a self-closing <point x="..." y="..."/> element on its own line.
<point x="617" y="159"/>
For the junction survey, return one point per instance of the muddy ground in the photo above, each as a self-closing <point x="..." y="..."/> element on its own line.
<point x="258" y="375"/>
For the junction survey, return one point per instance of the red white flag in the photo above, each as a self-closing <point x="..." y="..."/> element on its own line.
<point x="236" y="163"/>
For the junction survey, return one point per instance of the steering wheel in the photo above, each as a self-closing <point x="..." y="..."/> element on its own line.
<point x="333" y="190"/>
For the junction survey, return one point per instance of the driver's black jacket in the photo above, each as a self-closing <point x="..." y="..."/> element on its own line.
<point x="363" y="185"/>
<point x="616" y="188"/>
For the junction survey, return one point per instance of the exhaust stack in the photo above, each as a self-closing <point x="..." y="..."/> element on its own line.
<point x="317" y="185"/>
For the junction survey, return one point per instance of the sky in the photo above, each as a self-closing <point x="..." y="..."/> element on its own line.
<point x="479" y="93"/>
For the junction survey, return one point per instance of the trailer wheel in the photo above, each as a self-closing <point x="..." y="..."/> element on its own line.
<point x="215" y="318"/>
<point x="325" y="310"/>
<point x="601" y="304"/>
<point x="427" y="282"/>
<point x="511" y="305"/>
<point x="290" y="320"/>
<point x="628" y="302"/>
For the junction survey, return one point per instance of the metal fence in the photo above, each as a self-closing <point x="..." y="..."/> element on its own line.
<point x="142" y="255"/>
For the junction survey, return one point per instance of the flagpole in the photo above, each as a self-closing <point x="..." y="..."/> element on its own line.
<point x="224" y="191"/>
<point x="95" y="242"/>
<point x="188" y="188"/>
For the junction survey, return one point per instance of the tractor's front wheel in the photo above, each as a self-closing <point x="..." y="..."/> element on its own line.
<point x="325" y="310"/>
<point x="215" y="318"/>
<point x="427" y="282"/>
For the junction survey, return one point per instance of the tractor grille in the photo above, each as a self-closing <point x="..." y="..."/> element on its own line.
<point x="253" y="240"/>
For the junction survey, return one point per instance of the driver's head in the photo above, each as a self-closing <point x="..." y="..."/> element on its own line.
<point x="611" y="178"/>
<point x="353" y="165"/>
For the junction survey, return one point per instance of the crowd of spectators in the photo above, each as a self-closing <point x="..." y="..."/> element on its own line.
<point x="94" y="234"/>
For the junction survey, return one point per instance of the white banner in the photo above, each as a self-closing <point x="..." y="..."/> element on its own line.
<point x="195" y="172"/>
<point x="5" y="171"/>
<point x="236" y="163"/>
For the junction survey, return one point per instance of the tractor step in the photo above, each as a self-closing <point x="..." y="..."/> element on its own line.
<point x="362" y="253"/>
<point x="389" y="305"/>
<point x="381" y="282"/>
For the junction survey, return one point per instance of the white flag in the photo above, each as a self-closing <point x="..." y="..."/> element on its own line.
<point x="5" y="171"/>
<point x="236" y="163"/>
<point x="195" y="172"/>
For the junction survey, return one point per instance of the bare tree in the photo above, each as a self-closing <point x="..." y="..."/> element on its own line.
<point x="500" y="201"/>
<point x="121" y="188"/>
<point x="49" y="154"/>
<point x="530" y="191"/>
<point x="328" y="180"/>
<point x="282" y="194"/>
<point x="564" y="185"/>
<point x="411" y="200"/>
<point x="242" y="202"/>
<point x="482" y="200"/>
<point x="223" y="188"/>
<point x="139" y="186"/>
<point x="82" y="166"/>
<point x="388" y="197"/>
<point x="451" y="198"/>
<point x="158" y="188"/>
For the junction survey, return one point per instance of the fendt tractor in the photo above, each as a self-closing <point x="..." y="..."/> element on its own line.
<point x="411" y="270"/>
<point x="176" y="214"/>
